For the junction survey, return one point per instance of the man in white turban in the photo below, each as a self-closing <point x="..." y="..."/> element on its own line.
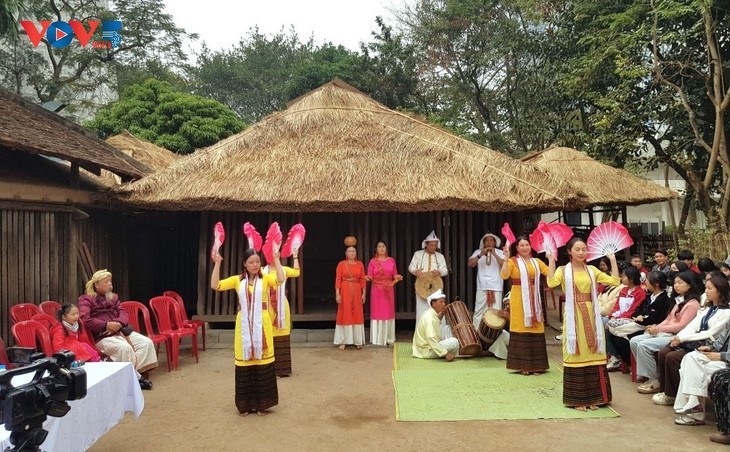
<point x="427" y="260"/>
<point x="427" y="341"/>
<point x="102" y="314"/>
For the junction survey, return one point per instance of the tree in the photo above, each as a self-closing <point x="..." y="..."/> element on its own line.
<point x="10" y="11"/>
<point x="482" y="67"/>
<point x="79" y="76"/>
<point x="655" y="83"/>
<point x="178" y="121"/>
<point x="253" y="77"/>
<point x="264" y="72"/>
<point x="390" y="70"/>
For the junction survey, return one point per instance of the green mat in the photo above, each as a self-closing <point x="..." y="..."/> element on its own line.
<point x="402" y="360"/>
<point x="477" y="389"/>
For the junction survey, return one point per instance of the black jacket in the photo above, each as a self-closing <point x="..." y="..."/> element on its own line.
<point x="656" y="312"/>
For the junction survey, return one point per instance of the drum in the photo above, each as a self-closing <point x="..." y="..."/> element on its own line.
<point x="490" y="327"/>
<point x="458" y="317"/>
<point x="427" y="283"/>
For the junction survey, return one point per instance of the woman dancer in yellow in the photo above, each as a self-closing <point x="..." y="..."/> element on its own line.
<point x="527" y="352"/>
<point x="585" y="378"/>
<point x="256" y="389"/>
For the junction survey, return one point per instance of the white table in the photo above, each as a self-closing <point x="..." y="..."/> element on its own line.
<point x="112" y="390"/>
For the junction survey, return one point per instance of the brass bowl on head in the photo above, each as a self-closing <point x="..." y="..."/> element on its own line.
<point x="350" y="240"/>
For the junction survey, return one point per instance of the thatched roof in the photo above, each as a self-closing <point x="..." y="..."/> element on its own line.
<point x="30" y="128"/>
<point x="335" y="149"/>
<point x="149" y="154"/>
<point x="601" y="183"/>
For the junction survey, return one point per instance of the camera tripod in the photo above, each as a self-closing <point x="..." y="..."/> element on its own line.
<point x="28" y="437"/>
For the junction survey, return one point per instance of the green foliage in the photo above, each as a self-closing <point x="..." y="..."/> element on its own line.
<point x="262" y="73"/>
<point x="705" y="242"/>
<point x="178" y="121"/>
<point x="253" y="78"/>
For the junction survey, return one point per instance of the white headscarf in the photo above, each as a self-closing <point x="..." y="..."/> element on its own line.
<point x="497" y="240"/>
<point x="431" y="238"/>
<point x="439" y="294"/>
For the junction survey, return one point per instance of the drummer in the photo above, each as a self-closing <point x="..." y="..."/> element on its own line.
<point x="426" y="260"/>
<point x="427" y="342"/>
<point x="488" y="260"/>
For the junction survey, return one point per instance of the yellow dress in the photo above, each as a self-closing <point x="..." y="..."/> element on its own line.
<point x="234" y="283"/>
<point x="582" y="282"/>
<point x="516" y="311"/>
<point x="286" y="331"/>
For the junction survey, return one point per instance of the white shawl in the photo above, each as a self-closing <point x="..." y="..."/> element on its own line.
<point x="251" y="319"/>
<point x="529" y="316"/>
<point x="570" y="327"/>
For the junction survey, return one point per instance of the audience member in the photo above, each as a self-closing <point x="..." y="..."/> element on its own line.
<point x="70" y="335"/>
<point x="661" y="259"/>
<point x="686" y="296"/>
<point x="102" y="313"/>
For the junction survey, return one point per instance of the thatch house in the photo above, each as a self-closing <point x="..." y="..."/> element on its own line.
<point x="605" y="188"/>
<point x="343" y="164"/>
<point x="49" y="208"/>
<point x="149" y="154"/>
<point x="608" y="191"/>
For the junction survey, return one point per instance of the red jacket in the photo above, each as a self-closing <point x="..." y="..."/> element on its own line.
<point x="636" y="298"/>
<point x="77" y="342"/>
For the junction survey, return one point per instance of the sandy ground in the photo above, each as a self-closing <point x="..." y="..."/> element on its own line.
<point x="339" y="400"/>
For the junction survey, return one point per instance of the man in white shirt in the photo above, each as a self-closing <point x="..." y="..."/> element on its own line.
<point x="427" y="342"/>
<point x="488" y="260"/>
<point x="425" y="260"/>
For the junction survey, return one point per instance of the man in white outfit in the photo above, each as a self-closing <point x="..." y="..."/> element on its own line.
<point x="488" y="260"/>
<point x="425" y="260"/>
<point x="427" y="341"/>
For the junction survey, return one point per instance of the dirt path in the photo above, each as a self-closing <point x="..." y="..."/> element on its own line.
<point x="345" y="401"/>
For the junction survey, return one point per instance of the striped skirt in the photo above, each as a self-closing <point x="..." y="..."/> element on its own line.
<point x="256" y="388"/>
<point x="721" y="399"/>
<point x="527" y="352"/>
<point x="585" y="386"/>
<point x="282" y="355"/>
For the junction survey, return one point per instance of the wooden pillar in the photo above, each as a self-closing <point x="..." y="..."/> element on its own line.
<point x="72" y="259"/>
<point x="202" y="261"/>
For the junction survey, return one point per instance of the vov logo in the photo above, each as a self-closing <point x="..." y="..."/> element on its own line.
<point x="59" y="34"/>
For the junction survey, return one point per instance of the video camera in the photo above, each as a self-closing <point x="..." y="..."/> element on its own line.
<point x="24" y="408"/>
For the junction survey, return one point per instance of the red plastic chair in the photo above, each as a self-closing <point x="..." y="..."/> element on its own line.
<point x="23" y="311"/>
<point x="29" y="333"/>
<point x="134" y="309"/>
<point x="167" y="314"/>
<point x="50" y="307"/>
<point x="46" y="320"/>
<point x="186" y="321"/>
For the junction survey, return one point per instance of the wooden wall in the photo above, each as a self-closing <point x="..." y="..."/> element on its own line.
<point x="39" y="253"/>
<point x="312" y="295"/>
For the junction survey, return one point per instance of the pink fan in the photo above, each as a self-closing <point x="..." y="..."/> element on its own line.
<point x="294" y="240"/>
<point x="273" y="236"/>
<point x="219" y="235"/>
<point x="561" y="233"/>
<point x="536" y="239"/>
<point x="254" y="238"/>
<point x="549" y="244"/>
<point x="607" y="238"/>
<point x="509" y="236"/>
